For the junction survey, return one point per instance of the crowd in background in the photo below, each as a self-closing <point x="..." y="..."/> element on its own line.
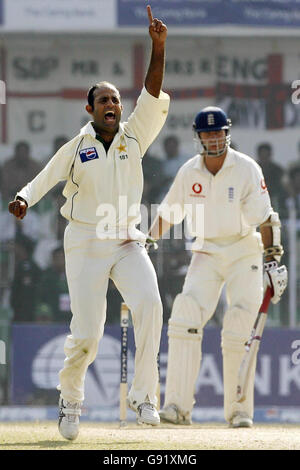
<point x="33" y="281"/>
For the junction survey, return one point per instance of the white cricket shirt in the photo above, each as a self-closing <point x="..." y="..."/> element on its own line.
<point x="221" y="209"/>
<point x="104" y="189"/>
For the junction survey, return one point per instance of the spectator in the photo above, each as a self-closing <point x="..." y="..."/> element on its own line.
<point x="292" y="202"/>
<point x="58" y="142"/>
<point x="175" y="264"/>
<point x="273" y="174"/>
<point x="50" y="218"/>
<point x="23" y="296"/>
<point x="17" y="171"/>
<point x="152" y="169"/>
<point x="58" y="199"/>
<point x="43" y="314"/>
<point x="173" y="160"/>
<point x="298" y="151"/>
<point x="294" y="188"/>
<point x="53" y="294"/>
<point x="59" y="223"/>
<point x="174" y="253"/>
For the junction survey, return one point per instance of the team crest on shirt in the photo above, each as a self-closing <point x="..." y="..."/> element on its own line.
<point x="88" y="154"/>
<point x="122" y="149"/>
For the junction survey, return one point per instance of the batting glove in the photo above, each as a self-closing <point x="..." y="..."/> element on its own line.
<point x="275" y="277"/>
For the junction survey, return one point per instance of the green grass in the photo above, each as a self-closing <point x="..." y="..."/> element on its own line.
<point x="109" y="436"/>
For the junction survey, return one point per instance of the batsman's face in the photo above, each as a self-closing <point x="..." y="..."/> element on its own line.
<point x="107" y="110"/>
<point x="214" y="142"/>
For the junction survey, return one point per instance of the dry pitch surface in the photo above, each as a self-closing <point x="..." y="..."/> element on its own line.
<point x="109" y="436"/>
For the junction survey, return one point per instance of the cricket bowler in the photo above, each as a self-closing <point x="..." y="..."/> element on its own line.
<point x="102" y="167"/>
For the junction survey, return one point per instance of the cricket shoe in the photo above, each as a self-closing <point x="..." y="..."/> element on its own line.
<point x="172" y="414"/>
<point x="147" y="414"/>
<point x="241" y="420"/>
<point x="68" y="420"/>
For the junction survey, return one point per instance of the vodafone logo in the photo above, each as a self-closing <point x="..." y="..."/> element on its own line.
<point x="197" y="188"/>
<point x="263" y="185"/>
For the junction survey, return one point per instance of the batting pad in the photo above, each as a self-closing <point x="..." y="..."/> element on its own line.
<point x="184" y="355"/>
<point x="236" y="330"/>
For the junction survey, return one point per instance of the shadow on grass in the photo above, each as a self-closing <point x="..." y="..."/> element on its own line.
<point x="71" y="444"/>
<point x="40" y="444"/>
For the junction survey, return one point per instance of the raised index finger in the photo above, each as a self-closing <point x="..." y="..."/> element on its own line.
<point x="150" y="17"/>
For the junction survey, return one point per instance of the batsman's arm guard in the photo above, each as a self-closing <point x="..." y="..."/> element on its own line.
<point x="276" y="250"/>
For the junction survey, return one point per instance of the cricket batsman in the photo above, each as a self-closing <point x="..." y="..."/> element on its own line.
<point x="102" y="167"/>
<point x="230" y="189"/>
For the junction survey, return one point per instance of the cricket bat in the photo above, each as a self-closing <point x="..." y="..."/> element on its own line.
<point x="252" y="346"/>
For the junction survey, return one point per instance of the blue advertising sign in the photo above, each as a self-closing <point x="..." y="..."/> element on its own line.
<point x="30" y="342"/>
<point x="37" y="357"/>
<point x="213" y="12"/>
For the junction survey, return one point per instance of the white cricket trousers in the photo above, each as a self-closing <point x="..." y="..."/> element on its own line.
<point x="90" y="263"/>
<point x="206" y="276"/>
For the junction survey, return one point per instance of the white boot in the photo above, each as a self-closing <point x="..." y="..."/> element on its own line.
<point x="241" y="420"/>
<point x="68" y="421"/>
<point x="147" y="414"/>
<point x="172" y="414"/>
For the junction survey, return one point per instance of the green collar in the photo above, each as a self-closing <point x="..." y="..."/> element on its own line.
<point x="106" y="145"/>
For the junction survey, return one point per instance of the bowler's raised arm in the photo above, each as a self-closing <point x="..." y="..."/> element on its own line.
<point x="158" y="33"/>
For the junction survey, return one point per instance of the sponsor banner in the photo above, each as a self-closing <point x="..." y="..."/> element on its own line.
<point x="41" y="67"/>
<point x="38" y="356"/>
<point x="213" y="414"/>
<point x="100" y="15"/>
<point x="69" y="15"/>
<point x="213" y="12"/>
<point x="47" y="88"/>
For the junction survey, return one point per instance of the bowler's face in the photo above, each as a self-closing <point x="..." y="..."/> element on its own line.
<point x="107" y="110"/>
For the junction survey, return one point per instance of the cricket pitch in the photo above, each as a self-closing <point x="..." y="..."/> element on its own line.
<point x="109" y="436"/>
